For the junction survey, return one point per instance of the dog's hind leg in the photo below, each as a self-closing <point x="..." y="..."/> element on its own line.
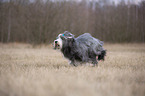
<point x="102" y="55"/>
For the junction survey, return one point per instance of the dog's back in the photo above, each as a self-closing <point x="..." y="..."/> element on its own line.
<point x="88" y="40"/>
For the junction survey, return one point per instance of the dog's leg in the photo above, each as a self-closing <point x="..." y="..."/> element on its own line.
<point x="94" y="62"/>
<point x="72" y="62"/>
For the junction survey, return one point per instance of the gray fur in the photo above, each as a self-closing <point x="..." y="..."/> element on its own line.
<point x="84" y="48"/>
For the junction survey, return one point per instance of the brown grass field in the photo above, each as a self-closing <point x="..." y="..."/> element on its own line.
<point x="27" y="70"/>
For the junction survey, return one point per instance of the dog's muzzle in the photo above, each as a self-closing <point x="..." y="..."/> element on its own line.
<point x="56" y="45"/>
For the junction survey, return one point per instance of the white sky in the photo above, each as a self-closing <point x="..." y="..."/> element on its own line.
<point x="115" y="1"/>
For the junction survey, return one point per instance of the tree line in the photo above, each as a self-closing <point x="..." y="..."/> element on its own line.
<point x="40" y="22"/>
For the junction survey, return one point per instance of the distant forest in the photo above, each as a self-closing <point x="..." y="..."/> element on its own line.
<point x="40" y="22"/>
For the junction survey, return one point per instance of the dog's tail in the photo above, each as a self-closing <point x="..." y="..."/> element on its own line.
<point x="102" y="55"/>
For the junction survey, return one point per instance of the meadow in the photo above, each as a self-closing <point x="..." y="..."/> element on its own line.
<point x="27" y="70"/>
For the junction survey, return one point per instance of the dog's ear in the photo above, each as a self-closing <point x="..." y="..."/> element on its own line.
<point x="70" y="42"/>
<point x="63" y="37"/>
<point x="71" y="39"/>
<point x="68" y="34"/>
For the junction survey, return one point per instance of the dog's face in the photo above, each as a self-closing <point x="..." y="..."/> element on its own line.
<point x="62" y="38"/>
<point x="58" y="42"/>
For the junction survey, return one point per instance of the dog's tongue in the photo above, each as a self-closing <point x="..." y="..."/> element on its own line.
<point x="55" y="46"/>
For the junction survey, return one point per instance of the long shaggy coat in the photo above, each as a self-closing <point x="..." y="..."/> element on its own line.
<point x="84" y="48"/>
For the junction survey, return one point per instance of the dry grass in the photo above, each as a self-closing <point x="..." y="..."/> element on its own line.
<point x="42" y="71"/>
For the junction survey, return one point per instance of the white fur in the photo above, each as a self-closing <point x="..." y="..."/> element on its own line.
<point x="59" y="40"/>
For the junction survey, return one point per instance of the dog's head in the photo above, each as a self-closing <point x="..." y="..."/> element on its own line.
<point x="63" y="38"/>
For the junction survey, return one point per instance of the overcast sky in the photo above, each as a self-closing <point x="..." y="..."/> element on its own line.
<point x="115" y="1"/>
<point x="133" y="1"/>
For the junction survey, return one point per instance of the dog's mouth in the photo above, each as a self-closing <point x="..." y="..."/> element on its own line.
<point x="56" y="45"/>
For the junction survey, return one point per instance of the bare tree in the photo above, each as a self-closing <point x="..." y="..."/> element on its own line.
<point x="9" y="22"/>
<point x="40" y="22"/>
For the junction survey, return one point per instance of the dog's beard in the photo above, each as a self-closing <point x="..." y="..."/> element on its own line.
<point x="57" y="43"/>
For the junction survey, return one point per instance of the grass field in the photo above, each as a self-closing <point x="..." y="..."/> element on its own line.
<point x="41" y="71"/>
